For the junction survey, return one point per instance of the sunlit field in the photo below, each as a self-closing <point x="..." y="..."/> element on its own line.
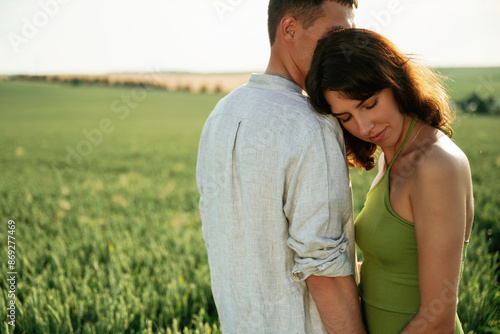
<point x="100" y="182"/>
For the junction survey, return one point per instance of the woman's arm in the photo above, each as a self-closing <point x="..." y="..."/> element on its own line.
<point x="438" y="199"/>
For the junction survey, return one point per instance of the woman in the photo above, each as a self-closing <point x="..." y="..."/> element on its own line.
<point x="417" y="218"/>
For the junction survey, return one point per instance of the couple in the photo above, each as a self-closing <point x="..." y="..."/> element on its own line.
<point x="276" y="202"/>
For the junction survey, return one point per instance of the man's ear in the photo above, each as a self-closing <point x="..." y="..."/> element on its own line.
<point x="288" y="26"/>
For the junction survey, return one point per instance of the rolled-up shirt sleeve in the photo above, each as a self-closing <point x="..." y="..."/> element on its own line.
<point x="318" y="205"/>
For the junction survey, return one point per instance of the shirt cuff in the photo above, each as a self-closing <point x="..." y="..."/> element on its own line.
<point x="332" y="262"/>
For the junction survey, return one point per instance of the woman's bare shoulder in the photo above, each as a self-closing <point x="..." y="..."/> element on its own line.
<point x="443" y="159"/>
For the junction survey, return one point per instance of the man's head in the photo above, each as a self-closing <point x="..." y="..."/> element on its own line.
<point x="295" y="26"/>
<point x="304" y="11"/>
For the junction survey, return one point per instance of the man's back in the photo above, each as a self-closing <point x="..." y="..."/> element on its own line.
<point x="275" y="196"/>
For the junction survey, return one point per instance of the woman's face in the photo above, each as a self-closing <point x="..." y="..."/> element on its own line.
<point x="376" y="120"/>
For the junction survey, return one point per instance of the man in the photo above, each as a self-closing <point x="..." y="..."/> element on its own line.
<point x="276" y="203"/>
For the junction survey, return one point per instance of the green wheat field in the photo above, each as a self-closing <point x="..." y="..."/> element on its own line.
<point x="100" y="182"/>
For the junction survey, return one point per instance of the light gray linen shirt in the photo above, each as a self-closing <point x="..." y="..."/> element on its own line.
<point x="276" y="206"/>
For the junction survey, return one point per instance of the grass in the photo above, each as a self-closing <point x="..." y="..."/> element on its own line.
<point x="462" y="82"/>
<point x="108" y="235"/>
<point x="109" y="243"/>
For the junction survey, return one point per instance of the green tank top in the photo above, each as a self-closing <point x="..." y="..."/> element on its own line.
<point x="389" y="273"/>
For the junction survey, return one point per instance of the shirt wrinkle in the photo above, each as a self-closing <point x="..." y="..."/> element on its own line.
<point x="313" y="128"/>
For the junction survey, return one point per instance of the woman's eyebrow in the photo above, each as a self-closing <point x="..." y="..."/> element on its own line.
<point x="342" y="113"/>
<point x="357" y="106"/>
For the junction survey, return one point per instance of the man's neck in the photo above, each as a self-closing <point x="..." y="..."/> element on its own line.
<point x="277" y="66"/>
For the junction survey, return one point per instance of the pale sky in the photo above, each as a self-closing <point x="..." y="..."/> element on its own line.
<point x="103" y="36"/>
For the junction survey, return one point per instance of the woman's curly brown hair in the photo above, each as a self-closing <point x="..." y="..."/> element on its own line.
<point x="359" y="63"/>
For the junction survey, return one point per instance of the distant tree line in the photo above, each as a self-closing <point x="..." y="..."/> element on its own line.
<point x="472" y="104"/>
<point x="183" y="82"/>
<point x="475" y="104"/>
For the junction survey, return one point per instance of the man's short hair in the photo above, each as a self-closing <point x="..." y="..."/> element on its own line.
<point x="305" y="11"/>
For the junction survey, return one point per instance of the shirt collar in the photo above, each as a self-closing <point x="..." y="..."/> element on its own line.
<point x="273" y="82"/>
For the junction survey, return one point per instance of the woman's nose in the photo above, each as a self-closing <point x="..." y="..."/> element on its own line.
<point x="365" y="125"/>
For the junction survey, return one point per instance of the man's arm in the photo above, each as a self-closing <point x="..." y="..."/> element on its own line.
<point x="338" y="303"/>
<point x="319" y="207"/>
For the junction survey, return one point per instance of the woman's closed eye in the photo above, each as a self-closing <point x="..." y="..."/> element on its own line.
<point x="344" y="117"/>
<point x="372" y="105"/>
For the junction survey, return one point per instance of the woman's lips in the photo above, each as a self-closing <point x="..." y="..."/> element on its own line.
<point x="378" y="136"/>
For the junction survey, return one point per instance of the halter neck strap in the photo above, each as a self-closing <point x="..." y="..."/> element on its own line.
<point x="404" y="141"/>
